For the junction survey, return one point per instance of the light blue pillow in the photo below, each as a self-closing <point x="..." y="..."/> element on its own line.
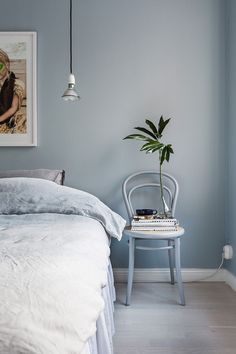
<point x="56" y="176"/>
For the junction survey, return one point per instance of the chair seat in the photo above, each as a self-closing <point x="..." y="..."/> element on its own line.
<point x="154" y="235"/>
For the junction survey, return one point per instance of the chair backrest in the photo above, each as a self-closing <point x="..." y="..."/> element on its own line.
<point x="150" y="179"/>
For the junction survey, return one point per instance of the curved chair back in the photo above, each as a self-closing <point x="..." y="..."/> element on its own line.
<point x="132" y="183"/>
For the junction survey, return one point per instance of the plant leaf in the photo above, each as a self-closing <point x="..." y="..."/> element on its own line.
<point x="145" y="146"/>
<point x="157" y="148"/>
<point x="151" y="125"/>
<point x="137" y="137"/>
<point x="163" y="154"/>
<point x="162" y="124"/>
<point x="152" y="145"/>
<point x="170" y="149"/>
<point x="167" y="155"/>
<point x="151" y="139"/>
<point x="148" y="132"/>
<point x="148" y="151"/>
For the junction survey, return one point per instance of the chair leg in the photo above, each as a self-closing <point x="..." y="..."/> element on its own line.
<point x="131" y="270"/>
<point x="178" y="271"/>
<point x="171" y="263"/>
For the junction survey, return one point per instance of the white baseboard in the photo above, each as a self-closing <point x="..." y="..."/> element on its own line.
<point x="230" y="279"/>
<point x="151" y="275"/>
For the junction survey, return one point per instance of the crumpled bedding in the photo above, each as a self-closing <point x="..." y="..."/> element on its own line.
<point x="52" y="267"/>
<point x="34" y="195"/>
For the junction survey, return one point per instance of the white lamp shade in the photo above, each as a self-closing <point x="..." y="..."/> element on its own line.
<point x="70" y="94"/>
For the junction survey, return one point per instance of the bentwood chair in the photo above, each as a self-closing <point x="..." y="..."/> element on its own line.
<point x="142" y="185"/>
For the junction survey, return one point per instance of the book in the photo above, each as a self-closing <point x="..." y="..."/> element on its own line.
<point x="154" y="228"/>
<point x="154" y="222"/>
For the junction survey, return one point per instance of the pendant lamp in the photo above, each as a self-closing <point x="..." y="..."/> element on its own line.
<point x="70" y="93"/>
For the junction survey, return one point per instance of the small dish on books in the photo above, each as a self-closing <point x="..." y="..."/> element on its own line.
<point x="146" y="212"/>
<point x="144" y="217"/>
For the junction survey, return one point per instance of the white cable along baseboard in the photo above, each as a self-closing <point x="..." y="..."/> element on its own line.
<point x="151" y="275"/>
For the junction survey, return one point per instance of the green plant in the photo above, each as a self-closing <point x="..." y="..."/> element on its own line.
<point x="152" y="144"/>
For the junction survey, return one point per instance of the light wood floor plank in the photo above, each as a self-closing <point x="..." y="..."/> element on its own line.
<point x="156" y="324"/>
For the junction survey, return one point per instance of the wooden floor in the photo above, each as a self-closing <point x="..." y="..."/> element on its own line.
<point x="156" y="324"/>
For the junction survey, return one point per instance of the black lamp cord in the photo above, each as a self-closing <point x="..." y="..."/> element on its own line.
<point x="71" y="36"/>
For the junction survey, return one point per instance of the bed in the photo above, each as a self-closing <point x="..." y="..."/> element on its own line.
<point x="56" y="283"/>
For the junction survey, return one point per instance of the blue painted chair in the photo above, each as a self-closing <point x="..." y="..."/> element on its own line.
<point x="141" y="181"/>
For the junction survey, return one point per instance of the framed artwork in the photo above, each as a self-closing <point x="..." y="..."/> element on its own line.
<point x="18" y="100"/>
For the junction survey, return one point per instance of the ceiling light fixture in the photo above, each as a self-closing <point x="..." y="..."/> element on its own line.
<point x="70" y="93"/>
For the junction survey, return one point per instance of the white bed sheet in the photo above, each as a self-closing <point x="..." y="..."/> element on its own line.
<point x="101" y="342"/>
<point x="41" y="255"/>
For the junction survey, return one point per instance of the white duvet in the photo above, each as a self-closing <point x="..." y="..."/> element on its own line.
<point x="52" y="269"/>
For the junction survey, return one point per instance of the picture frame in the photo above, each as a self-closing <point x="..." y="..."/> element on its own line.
<point x="18" y="89"/>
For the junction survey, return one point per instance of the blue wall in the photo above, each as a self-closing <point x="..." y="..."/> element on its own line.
<point x="231" y="105"/>
<point x="133" y="59"/>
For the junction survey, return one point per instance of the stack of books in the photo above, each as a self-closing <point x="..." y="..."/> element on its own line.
<point x="153" y="223"/>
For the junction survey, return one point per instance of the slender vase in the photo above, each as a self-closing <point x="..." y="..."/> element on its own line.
<point x="166" y="210"/>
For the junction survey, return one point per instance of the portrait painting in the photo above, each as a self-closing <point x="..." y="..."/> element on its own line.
<point x="18" y="89"/>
